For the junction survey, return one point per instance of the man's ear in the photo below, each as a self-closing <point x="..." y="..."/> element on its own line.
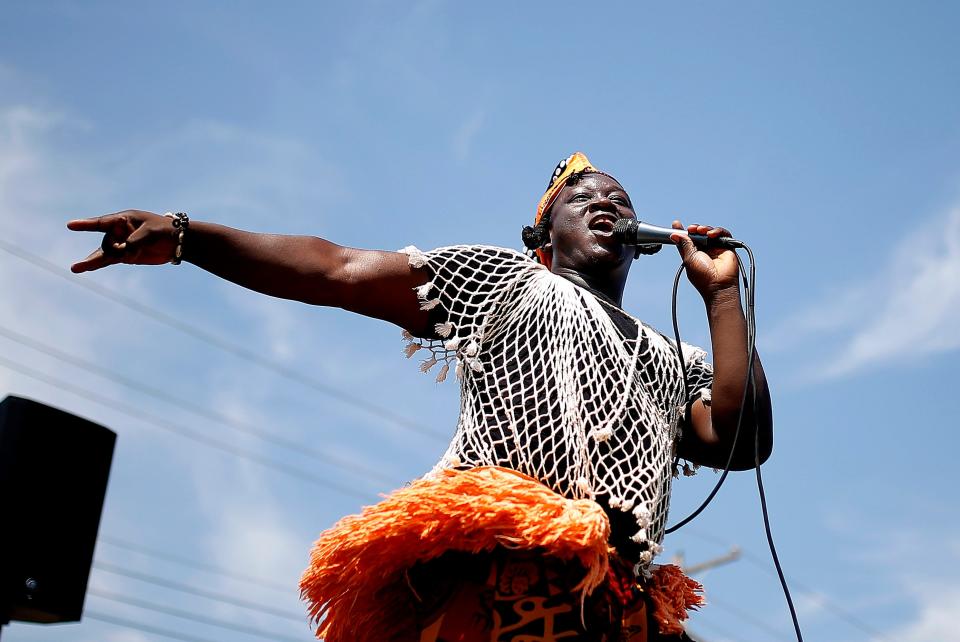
<point x="548" y="253"/>
<point x="548" y="246"/>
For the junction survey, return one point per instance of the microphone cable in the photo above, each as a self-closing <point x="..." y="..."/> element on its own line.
<point x="749" y="384"/>
<point x="751" y="350"/>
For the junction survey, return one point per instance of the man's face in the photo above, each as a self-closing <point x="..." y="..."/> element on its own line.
<point x="581" y="228"/>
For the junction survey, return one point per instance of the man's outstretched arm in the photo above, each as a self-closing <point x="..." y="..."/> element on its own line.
<point x="303" y="268"/>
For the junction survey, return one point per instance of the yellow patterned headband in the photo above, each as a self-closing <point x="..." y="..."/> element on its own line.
<point x="575" y="163"/>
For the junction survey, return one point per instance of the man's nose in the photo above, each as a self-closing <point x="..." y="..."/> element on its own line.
<point x="602" y="204"/>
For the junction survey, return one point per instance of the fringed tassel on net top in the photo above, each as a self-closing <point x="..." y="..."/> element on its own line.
<point x="672" y="594"/>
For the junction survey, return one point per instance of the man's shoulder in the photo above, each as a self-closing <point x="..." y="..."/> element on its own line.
<point x="471" y="249"/>
<point x="475" y="258"/>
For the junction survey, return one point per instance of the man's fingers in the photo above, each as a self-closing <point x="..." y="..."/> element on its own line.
<point x="680" y="239"/>
<point x="123" y="233"/>
<point x="84" y="225"/>
<point x="718" y="231"/>
<point x="137" y="236"/>
<point x="110" y="246"/>
<point x="684" y="245"/>
<point x="96" y="224"/>
<point x="708" y="230"/>
<point x="95" y="261"/>
<point x="105" y="223"/>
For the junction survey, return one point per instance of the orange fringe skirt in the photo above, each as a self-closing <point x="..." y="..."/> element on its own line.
<point x="485" y="555"/>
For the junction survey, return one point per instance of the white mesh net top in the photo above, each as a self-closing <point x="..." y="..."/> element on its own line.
<point x="553" y="387"/>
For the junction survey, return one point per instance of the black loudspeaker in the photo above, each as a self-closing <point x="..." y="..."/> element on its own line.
<point x="53" y="476"/>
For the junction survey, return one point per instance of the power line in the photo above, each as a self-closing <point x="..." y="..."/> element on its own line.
<point x="731" y="556"/>
<point x="752" y="619"/>
<point x="183" y="432"/>
<point x="186" y="404"/>
<point x="696" y="637"/>
<point x="226" y="346"/>
<point x="186" y="588"/>
<point x="187" y="615"/>
<point x="827" y="604"/>
<point x="146" y="628"/>
<point x="210" y="568"/>
<point x="104" y="566"/>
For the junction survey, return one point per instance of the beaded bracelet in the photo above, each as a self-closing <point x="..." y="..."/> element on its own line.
<point x="180" y="222"/>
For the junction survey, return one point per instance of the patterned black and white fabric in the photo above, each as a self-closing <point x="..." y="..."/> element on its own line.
<point x="557" y="383"/>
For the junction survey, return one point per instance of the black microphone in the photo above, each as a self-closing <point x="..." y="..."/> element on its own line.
<point x="633" y="232"/>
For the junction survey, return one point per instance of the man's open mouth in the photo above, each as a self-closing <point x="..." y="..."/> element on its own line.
<point x="603" y="224"/>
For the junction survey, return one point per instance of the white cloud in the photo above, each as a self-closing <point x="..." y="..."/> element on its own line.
<point x="126" y="636"/>
<point x="810" y="604"/>
<point x="248" y="530"/>
<point x="913" y="571"/>
<point x="922" y="305"/>
<point x="936" y="620"/>
<point x="219" y="169"/>
<point x="467" y="132"/>
<point x="37" y="186"/>
<point x="18" y="125"/>
<point x="907" y="310"/>
<point x="254" y="537"/>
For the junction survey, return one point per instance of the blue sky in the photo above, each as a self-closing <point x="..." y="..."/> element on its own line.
<point x="824" y="136"/>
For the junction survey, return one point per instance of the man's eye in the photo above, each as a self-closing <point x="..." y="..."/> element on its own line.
<point x="579" y="198"/>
